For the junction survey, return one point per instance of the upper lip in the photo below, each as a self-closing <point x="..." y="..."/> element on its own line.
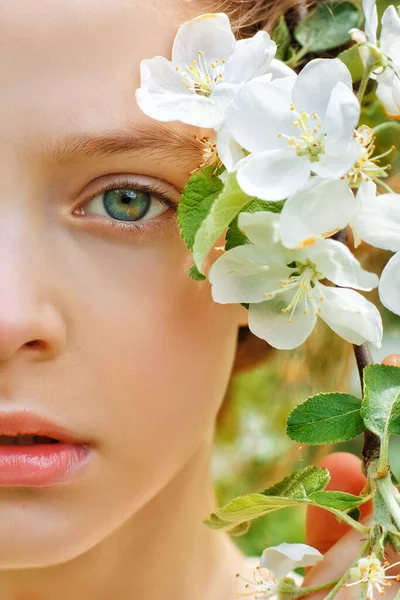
<point x="26" y="423"/>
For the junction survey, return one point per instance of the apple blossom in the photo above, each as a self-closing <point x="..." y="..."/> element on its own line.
<point x="208" y="66"/>
<point x="283" y="289"/>
<point x="293" y="127"/>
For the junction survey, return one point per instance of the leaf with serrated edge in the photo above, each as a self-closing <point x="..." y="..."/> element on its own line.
<point x="197" y="198"/>
<point x="381" y="405"/>
<point x="223" y="210"/>
<point x="250" y="507"/>
<point x="301" y="483"/>
<point x="326" y="419"/>
<point x="339" y="500"/>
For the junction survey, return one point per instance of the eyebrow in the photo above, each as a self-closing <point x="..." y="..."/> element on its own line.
<point x="155" y="141"/>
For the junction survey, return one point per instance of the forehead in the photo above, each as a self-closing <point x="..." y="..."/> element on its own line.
<point x="73" y="65"/>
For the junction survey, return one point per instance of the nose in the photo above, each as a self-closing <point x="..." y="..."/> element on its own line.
<point x="30" y="321"/>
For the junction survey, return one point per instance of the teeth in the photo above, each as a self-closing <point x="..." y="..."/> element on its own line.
<point x="25" y="440"/>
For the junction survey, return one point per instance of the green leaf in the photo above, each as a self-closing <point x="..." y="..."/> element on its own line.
<point x="195" y="274"/>
<point x="339" y="500"/>
<point x="351" y="58"/>
<point x="252" y="506"/>
<point x="281" y="36"/>
<point x="301" y="484"/>
<point x="198" y="196"/>
<point x="234" y="236"/>
<point x="240" y="529"/>
<point x="326" y="419"/>
<point x="327" y="26"/>
<point x="381" y="405"/>
<point x="223" y="210"/>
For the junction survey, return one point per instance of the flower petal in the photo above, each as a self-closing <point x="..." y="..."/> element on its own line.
<point x="384" y="93"/>
<point x="164" y="97"/>
<point x="336" y="262"/>
<point x="229" y="151"/>
<point x="280" y="560"/>
<point x="390" y="34"/>
<point x="309" y="214"/>
<point x="243" y="275"/>
<point x="209" y="33"/>
<point x="274" y="174"/>
<point x="351" y="316"/>
<point x="260" y="112"/>
<point x="377" y="222"/>
<point x="279" y="69"/>
<point x="251" y="58"/>
<point x="389" y="285"/>
<point x="261" y="228"/>
<point x="338" y="165"/>
<point x="268" y="321"/>
<point x="314" y="85"/>
<point x="371" y="20"/>
<point x="342" y="115"/>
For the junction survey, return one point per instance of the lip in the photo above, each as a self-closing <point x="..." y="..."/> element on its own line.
<point x="39" y="465"/>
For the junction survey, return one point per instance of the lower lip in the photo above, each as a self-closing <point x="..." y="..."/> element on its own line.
<point x="40" y="464"/>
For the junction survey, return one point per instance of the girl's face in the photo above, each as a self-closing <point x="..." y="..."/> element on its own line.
<point x="101" y="330"/>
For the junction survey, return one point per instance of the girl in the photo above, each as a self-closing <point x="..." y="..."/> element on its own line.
<point x="113" y="362"/>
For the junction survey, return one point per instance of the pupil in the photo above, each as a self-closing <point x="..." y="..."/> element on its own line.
<point x="126" y="204"/>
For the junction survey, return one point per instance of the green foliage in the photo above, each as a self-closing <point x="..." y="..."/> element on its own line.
<point x="195" y="274"/>
<point x="234" y="236"/>
<point x="281" y="36"/>
<point x="293" y="489"/>
<point x="339" y="500"/>
<point x="326" y="419"/>
<point x="352" y="59"/>
<point x="198" y="196"/>
<point x="300" y="484"/>
<point x="381" y="405"/>
<point x="223" y="209"/>
<point x="327" y="26"/>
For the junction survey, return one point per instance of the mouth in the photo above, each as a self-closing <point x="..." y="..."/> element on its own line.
<point x="26" y="440"/>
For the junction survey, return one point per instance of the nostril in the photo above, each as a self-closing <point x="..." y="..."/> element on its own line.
<point x="34" y="343"/>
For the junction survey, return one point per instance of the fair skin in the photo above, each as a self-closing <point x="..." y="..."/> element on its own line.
<point x="103" y="332"/>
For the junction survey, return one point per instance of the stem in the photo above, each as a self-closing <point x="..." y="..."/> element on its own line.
<point x="385" y="488"/>
<point x="352" y="522"/>
<point x="310" y="590"/>
<point x="372" y="442"/>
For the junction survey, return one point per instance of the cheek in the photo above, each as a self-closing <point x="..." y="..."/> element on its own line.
<point x="162" y="352"/>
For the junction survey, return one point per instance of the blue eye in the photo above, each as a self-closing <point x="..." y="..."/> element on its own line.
<point x="127" y="203"/>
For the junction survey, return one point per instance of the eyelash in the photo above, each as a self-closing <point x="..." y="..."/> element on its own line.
<point x="132" y="228"/>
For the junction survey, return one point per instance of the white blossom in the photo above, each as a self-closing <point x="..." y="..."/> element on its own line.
<point x="371" y="575"/>
<point x="208" y="66"/>
<point x="293" y="127"/>
<point x="276" y="563"/>
<point x="384" y="52"/>
<point x="283" y="287"/>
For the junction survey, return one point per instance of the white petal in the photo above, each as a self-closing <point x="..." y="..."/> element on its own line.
<point x="378" y="220"/>
<point x="261" y="228"/>
<point x="279" y="69"/>
<point x="371" y="20"/>
<point x="250" y="58"/>
<point x="351" y="316"/>
<point x="315" y="83"/>
<point x="229" y="151"/>
<point x="384" y="93"/>
<point x="280" y="560"/>
<point x="260" y="112"/>
<point x="243" y="275"/>
<point x="319" y="209"/>
<point x="336" y="262"/>
<point x="342" y="115"/>
<point x="390" y="34"/>
<point x="389" y="285"/>
<point x="274" y="174"/>
<point x="268" y="322"/>
<point x="209" y="33"/>
<point x="337" y="165"/>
